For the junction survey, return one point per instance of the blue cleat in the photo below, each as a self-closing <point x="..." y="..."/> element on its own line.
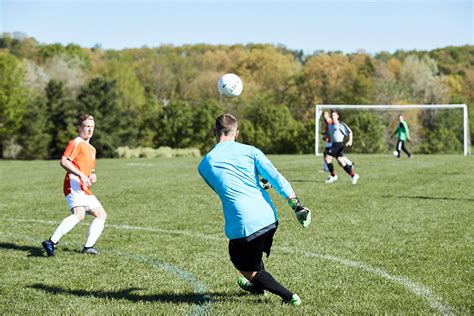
<point x="49" y="246"/>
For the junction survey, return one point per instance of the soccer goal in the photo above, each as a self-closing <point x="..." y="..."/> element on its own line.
<point x="390" y="111"/>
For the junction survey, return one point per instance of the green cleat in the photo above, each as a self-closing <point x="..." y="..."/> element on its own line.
<point x="247" y="286"/>
<point x="294" y="301"/>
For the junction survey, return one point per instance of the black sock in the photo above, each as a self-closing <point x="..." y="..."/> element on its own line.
<point x="348" y="169"/>
<point x="266" y="281"/>
<point x="331" y="169"/>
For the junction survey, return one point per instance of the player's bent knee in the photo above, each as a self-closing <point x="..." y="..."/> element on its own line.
<point x="79" y="212"/>
<point x="99" y="213"/>
<point x="249" y="275"/>
<point x="79" y="216"/>
<point x="342" y="161"/>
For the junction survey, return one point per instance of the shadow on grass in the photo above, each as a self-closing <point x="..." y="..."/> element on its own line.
<point x="176" y="298"/>
<point x="309" y="181"/>
<point x="422" y="197"/>
<point x="33" y="251"/>
<point x="126" y="294"/>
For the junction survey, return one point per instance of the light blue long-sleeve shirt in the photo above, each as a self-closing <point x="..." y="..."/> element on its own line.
<point x="232" y="170"/>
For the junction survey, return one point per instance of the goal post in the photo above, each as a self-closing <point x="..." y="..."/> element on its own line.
<point x="322" y="107"/>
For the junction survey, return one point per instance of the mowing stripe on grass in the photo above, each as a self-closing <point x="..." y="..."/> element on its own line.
<point x="434" y="301"/>
<point x="201" y="308"/>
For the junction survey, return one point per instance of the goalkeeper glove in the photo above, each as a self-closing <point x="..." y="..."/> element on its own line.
<point x="303" y="214"/>
<point x="265" y="184"/>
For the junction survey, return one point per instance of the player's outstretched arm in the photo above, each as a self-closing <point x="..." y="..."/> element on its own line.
<point x="303" y="214"/>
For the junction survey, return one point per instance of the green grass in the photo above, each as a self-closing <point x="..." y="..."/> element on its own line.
<point x="400" y="241"/>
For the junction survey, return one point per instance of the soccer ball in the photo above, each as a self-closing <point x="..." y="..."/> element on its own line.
<point x="395" y="153"/>
<point x="230" y="85"/>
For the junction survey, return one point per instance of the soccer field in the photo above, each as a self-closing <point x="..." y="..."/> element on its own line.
<point x="400" y="241"/>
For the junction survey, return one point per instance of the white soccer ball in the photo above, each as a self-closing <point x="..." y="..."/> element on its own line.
<point x="395" y="153"/>
<point x="230" y="85"/>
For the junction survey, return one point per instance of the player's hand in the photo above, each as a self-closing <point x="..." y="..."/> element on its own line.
<point x="303" y="214"/>
<point x="85" y="180"/>
<point x="265" y="184"/>
<point x="304" y="217"/>
<point x="93" y="178"/>
<point x="348" y="144"/>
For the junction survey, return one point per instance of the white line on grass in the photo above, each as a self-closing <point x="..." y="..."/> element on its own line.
<point x="420" y="290"/>
<point x="434" y="301"/>
<point x="198" y="287"/>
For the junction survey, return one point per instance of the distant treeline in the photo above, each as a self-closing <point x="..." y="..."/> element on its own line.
<point x="167" y="96"/>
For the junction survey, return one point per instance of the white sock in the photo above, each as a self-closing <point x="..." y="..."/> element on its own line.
<point x="66" y="225"/>
<point x="96" y="228"/>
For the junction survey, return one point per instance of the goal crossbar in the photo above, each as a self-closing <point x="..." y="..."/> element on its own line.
<point x="321" y="107"/>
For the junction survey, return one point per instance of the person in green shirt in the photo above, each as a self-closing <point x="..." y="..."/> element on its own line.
<point x="403" y="135"/>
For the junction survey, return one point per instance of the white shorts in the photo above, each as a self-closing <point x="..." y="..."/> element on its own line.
<point x="79" y="198"/>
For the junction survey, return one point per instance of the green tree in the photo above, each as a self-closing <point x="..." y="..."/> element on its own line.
<point x="204" y="119"/>
<point x="362" y="91"/>
<point x="149" y="118"/>
<point x="443" y="132"/>
<point x="368" y="131"/>
<point x="61" y="116"/>
<point x="71" y="50"/>
<point x="271" y="127"/>
<point x="33" y="136"/>
<point x="12" y="98"/>
<point x="175" y="125"/>
<point x="100" y="98"/>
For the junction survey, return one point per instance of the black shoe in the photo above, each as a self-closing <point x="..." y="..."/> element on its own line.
<point x="90" y="251"/>
<point x="49" y="246"/>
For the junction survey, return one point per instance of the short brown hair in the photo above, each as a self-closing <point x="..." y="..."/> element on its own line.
<point x="83" y="117"/>
<point x="225" y="124"/>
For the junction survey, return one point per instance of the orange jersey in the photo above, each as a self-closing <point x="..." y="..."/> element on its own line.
<point x="82" y="155"/>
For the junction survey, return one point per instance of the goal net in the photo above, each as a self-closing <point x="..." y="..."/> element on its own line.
<point x="440" y="128"/>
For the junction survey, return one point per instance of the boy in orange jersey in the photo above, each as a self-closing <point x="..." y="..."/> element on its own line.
<point x="79" y="161"/>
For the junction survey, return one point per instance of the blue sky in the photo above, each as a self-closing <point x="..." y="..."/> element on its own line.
<point x="348" y="26"/>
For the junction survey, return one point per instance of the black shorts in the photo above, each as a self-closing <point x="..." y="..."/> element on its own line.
<point x="247" y="255"/>
<point x="337" y="150"/>
<point x="326" y="151"/>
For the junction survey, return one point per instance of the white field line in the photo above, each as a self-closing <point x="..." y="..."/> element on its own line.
<point x="198" y="287"/>
<point x="434" y="301"/>
<point x="419" y="290"/>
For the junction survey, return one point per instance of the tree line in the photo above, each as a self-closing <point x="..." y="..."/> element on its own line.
<point x="167" y="96"/>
